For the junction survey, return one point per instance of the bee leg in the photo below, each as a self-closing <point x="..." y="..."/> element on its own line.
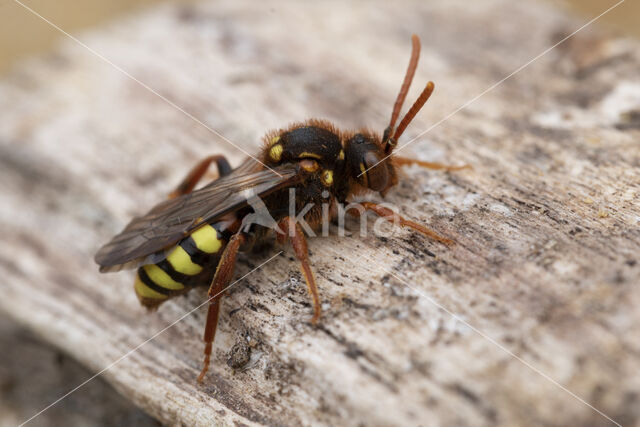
<point x="198" y="171"/>
<point x="290" y="228"/>
<point x="401" y="161"/>
<point x="393" y="217"/>
<point x="224" y="273"/>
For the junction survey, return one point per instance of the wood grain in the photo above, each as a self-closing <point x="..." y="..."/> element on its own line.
<point x="546" y="223"/>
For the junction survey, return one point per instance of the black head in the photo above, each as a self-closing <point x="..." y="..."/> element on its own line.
<point x="368" y="156"/>
<point x="366" y="162"/>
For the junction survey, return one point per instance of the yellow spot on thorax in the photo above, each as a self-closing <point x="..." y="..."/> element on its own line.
<point x="276" y="152"/>
<point x="309" y="165"/>
<point x="341" y="155"/>
<point x="327" y="177"/>
<point x="206" y="239"/>
<point x="363" y="169"/>
<point x="161" y="278"/>
<point x="311" y="155"/>
<point x="181" y="262"/>
<point x="274" y="140"/>
<point x="143" y="291"/>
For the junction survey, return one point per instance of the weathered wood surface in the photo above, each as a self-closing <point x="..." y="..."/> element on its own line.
<point x="25" y="357"/>
<point x="546" y="224"/>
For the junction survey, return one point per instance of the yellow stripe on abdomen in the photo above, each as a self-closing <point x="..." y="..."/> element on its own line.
<point x="162" y="279"/>
<point x="143" y="291"/>
<point x="181" y="262"/>
<point x="206" y="239"/>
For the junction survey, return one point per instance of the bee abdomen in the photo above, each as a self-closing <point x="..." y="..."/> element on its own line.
<point x="190" y="263"/>
<point x="203" y="243"/>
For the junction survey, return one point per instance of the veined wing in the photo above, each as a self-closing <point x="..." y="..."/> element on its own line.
<point x="170" y="221"/>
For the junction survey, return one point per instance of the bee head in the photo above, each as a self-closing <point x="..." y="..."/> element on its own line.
<point x="367" y="162"/>
<point x="368" y="157"/>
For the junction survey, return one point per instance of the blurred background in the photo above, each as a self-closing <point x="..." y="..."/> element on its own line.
<point x="23" y="34"/>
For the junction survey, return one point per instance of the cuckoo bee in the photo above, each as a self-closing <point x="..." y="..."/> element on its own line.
<point x="193" y="238"/>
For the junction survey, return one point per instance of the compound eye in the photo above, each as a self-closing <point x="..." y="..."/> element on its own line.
<point x="309" y="165"/>
<point x="377" y="175"/>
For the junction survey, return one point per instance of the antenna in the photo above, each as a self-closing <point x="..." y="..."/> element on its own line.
<point x="424" y="96"/>
<point x="391" y="135"/>
<point x="408" y="77"/>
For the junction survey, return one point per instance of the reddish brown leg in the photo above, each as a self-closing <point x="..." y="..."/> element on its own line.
<point x="393" y="217"/>
<point x="291" y="229"/>
<point x="401" y="161"/>
<point x="191" y="180"/>
<point x="221" y="279"/>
